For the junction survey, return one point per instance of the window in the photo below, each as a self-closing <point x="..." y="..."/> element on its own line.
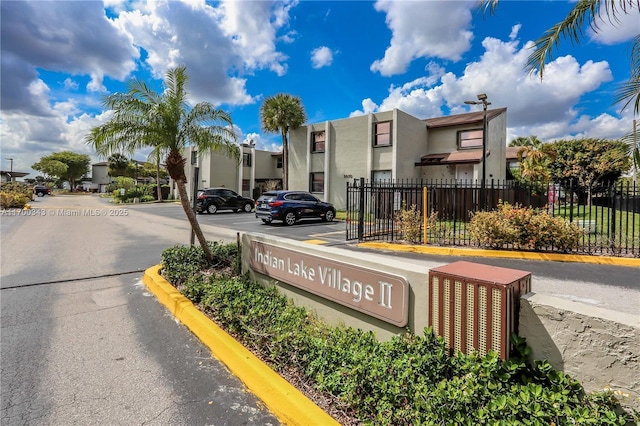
<point x="382" y="134"/>
<point x="279" y="162"/>
<point x="317" y="141"/>
<point x="246" y="184"/>
<point x="317" y="182"/>
<point x="246" y="159"/>
<point x="470" y="139"/>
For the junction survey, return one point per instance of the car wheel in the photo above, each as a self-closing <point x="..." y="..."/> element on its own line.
<point x="290" y="218"/>
<point x="247" y="207"/>
<point x="329" y="215"/>
<point x="212" y="208"/>
<point x="266" y="221"/>
<point x="40" y="194"/>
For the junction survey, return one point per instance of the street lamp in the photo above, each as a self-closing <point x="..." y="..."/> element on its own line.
<point x="482" y="100"/>
<point x="10" y="169"/>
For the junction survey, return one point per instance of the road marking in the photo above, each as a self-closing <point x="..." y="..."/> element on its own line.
<point x="315" y="241"/>
<point x="327" y="233"/>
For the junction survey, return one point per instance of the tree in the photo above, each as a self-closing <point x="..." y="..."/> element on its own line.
<point x="534" y="160"/>
<point x="65" y="165"/>
<point x="589" y="161"/>
<point x="118" y="165"/>
<point x="590" y="12"/>
<point x="143" y="118"/>
<point x="280" y="113"/>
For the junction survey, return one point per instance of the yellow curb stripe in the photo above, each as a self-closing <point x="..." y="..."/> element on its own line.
<point x="555" y="257"/>
<point x="285" y="401"/>
<point x="317" y="242"/>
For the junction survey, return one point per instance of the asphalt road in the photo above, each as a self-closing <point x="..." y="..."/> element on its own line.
<point x="82" y="341"/>
<point x="607" y="286"/>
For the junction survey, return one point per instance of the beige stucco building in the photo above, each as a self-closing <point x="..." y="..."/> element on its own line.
<point x="245" y="176"/>
<point x="323" y="157"/>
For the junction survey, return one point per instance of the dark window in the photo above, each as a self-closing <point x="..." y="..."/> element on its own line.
<point x="246" y="184"/>
<point x="317" y="141"/>
<point x="470" y="139"/>
<point x="317" y="182"/>
<point x="246" y="159"/>
<point x="382" y="134"/>
<point x="279" y="162"/>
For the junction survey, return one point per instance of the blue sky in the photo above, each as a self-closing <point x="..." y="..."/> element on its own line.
<point x="343" y="58"/>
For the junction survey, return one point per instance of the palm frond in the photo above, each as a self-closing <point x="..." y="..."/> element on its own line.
<point x="629" y="91"/>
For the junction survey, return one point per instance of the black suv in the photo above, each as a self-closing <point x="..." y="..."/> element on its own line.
<point x="291" y="206"/>
<point x="41" y="190"/>
<point x="211" y="200"/>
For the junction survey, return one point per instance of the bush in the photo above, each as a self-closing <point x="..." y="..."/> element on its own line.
<point x="408" y="380"/>
<point x="523" y="227"/>
<point x="15" y="194"/>
<point x="10" y="200"/>
<point x="410" y="223"/>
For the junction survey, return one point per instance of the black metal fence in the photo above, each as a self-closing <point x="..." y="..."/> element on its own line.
<point x="609" y="213"/>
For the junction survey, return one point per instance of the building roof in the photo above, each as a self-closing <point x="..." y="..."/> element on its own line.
<point x="467" y="118"/>
<point x="456" y="157"/>
<point x="103" y="163"/>
<point x="512" y="152"/>
<point x="13" y="174"/>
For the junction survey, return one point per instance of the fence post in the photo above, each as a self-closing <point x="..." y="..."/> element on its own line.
<point x="361" y="210"/>
<point x="612" y="219"/>
<point x="425" y="205"/>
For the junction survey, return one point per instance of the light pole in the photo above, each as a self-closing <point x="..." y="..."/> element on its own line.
<point x="482" y="100"/>
<point x="10" y="169"/>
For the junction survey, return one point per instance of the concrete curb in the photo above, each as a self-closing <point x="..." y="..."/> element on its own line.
<point x="555" y="257"/>
<point x="286" y="402"/>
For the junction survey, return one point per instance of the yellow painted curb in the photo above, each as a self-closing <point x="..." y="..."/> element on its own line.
<point x="286" y="402"/>
<point x="555" y="257"/>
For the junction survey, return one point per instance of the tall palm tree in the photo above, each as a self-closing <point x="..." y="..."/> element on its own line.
<point x="280" y="113"/>
<point x="163" y="121"/>
<point x="590" y="12"/>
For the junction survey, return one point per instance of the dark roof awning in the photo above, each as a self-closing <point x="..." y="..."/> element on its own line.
<point x="456" y="157"/>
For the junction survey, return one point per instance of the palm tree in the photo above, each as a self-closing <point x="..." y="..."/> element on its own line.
<point x="280" y="113"/>
<point x="117" y="165"/>
<point x="534" y="160"/>
<point x="589" y="12"/>
<point x="155" y="157"/>
<point x="163" y="121"/>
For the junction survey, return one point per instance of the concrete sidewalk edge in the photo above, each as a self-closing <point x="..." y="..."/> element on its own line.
<point x="555" y="257"/>
<point x="284" y="400"/>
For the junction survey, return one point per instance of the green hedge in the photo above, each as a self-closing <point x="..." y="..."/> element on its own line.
<point x="409" y="380"/>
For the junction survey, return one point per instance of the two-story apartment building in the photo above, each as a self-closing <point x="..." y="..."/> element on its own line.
<point x="323" y="157"/>
<point x="254" y="169"/>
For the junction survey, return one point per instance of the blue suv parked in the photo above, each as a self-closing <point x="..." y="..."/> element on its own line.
<point x="292" y="206"/>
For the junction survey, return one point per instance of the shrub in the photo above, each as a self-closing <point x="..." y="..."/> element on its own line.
<point x="10" y="200"/>
<point x="15" y="194"/>
<point x="410" y="223"/>
<point x="410" y="379"/>
<point x="523" y="227"/>
<point x="147" y="198"/>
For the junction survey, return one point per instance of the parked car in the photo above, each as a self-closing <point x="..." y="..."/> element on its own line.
<point x="292" y="206"/>
<point x="41" y="190"/>
<point x="211" y="200"/>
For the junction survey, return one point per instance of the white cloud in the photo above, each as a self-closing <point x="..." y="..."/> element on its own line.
<point x="620" y="29"/>
<point x="58" y="43"/>
<point x="321" y="57"/>
<point x="549" y="108"/>
<point x="424" y="30"/>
